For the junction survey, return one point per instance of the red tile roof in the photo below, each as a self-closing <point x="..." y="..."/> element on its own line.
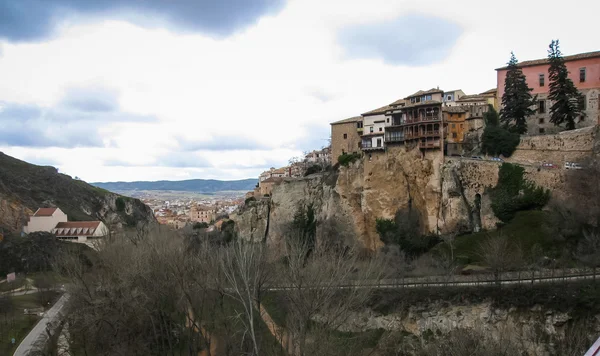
<point x="542" y="61"/>
<point x="45" y="212"/>
<point x="76" y="228"/>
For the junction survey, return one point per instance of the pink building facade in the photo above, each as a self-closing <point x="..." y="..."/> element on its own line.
<point x="584" y="71"/>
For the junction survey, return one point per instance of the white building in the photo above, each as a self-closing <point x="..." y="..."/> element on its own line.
<point x="80" y="231"/>
<point x="53" y="220"/>
<point x="45" y="219"/>
<point x="451" y="97"/>
<point x="374" y="123"/>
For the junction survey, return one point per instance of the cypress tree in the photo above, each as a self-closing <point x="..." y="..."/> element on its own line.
<point x="566" y="99"/>
<point x="517" y="101"/>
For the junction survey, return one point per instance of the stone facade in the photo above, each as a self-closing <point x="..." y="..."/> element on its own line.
<point x="345" y="137"/>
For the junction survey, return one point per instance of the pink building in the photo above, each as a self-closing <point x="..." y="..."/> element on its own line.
<point x="584" y="71"/>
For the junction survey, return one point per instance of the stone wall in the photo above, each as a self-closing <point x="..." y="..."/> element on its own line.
<point x="567" y="146"/>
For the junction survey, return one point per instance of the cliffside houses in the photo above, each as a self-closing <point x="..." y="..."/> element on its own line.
<point x="54" y="221"/>
<point x="584" y="71"/>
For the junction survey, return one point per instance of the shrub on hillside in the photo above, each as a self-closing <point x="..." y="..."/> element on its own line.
<point x="345" y="159"/>
<point x="513" y="193"/>
<point x="315" y="168"/>
<point x="120" y="204"/>
<point x="249" y="200"/>
<point x="200" y="225"/>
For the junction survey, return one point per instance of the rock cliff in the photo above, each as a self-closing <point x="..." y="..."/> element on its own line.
<point x="24" y="187"/>
<point x="448" y="194"/>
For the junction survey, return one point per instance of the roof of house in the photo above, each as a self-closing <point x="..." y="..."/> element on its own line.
<point x="422" y="103"/>
<point x="452" y="91"/>
<point x="76" y="228"/>
<point x="45" y="212"/>
<point x="542" y="61"/>
<point x="421" y="92"/>
<point x="377" y="111"/>
<point x="398" y="102"/>
<point x="472" y="98"/>
<point x="346" y="121"/>
<point x="491" y="91"/>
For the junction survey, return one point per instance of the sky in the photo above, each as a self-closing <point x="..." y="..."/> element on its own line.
<point x="124" y="90"/>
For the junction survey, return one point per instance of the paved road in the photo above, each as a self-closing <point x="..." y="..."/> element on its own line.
<point x="37" y="336"/>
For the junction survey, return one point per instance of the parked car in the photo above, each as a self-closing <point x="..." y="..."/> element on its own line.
<point x="572" y="165"/>
<point x="497" y="159"/>
<point x="549" y="165"/>
<point x="476" y="157"/>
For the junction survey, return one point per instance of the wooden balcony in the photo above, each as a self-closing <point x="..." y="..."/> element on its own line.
<point x="368" y="146"/>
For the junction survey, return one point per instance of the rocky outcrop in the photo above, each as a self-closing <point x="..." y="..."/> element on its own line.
<point x="25" y="187"/>
<point x="251" y="221"/>
<point x="449" y="194"/>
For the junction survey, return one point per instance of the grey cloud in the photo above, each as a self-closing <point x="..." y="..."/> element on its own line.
<point x="28" y="20"/>
<point x="220" y="143"/>
<point x="413" y="40"/>
<point x="33" y="126"/>
<point x="91" y="100"/>
<point x="171" y="160"/>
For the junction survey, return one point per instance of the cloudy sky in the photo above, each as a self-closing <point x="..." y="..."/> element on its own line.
<point x="178" y="89"/>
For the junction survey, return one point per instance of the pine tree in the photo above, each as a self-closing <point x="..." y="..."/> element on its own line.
<point x="566" y="99"/>
<point x="517" y="101"/>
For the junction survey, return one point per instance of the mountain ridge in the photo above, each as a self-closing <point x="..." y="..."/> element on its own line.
<point x="188" y="185"/>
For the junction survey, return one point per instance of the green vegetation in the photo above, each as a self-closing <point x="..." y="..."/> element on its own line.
<point x="249" y="200"/>
<point x="345" y="159"/>
<point x="120" y="204"/>
<point x="513" y="193"/>
<point x="200" y="225"/>
<point x="315" y="168"/>
<point x="497" y="140"/>
<point x="566" y="99"/>
<point x="517" y="101"/>
<point x="526" y="230"/>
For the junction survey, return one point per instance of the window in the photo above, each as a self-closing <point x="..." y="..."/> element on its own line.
<point x="541" y="80"/>
<point x="449" y="97"/>
<point x="428" y="97"/>
<point x="359" y="145"/>
<point x="582" y="75"/>
<point x="454" y="135"/>
<point x="345" y="136"/>
<point x="378" y="142"/>
<point x="380" y="129"/>
<point x="542" y="130"/>
<point x="582" y="102"/>
<point x="371" y="129"/>
<point x="359" y="125"/>
<point x="541" y="120"/>
<point x="541" y="106"/>
<point x="387" y="120"/>
<point x="453" y="126"/>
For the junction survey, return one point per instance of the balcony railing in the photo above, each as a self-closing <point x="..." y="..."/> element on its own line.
<point x="394" y="138"/>
<point x="429" y="144"/>
<point x="369" y="146"/>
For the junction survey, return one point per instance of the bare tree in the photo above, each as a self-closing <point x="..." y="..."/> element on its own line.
<point x="246" y="271"/>
<point x="499" y="255"/>
<point x="588" y="250"/>
<point x="322" y="287"/>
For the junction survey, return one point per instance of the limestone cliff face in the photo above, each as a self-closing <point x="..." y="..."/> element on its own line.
<point x="449" y="194"/>
<point x="252" y="220"/>
<point x="535" y="326"/>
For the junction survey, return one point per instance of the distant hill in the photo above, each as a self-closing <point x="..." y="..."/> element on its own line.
<point x="24" y="187"/>
<point x="207" y="186"/>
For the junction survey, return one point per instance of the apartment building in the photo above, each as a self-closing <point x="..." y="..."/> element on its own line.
<point x="584" y="71"/>
<point x="418" y="120"/>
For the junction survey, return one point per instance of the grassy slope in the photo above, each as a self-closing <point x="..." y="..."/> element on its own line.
<point x="526" y="229"/>
<point x="38" y="186"/>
